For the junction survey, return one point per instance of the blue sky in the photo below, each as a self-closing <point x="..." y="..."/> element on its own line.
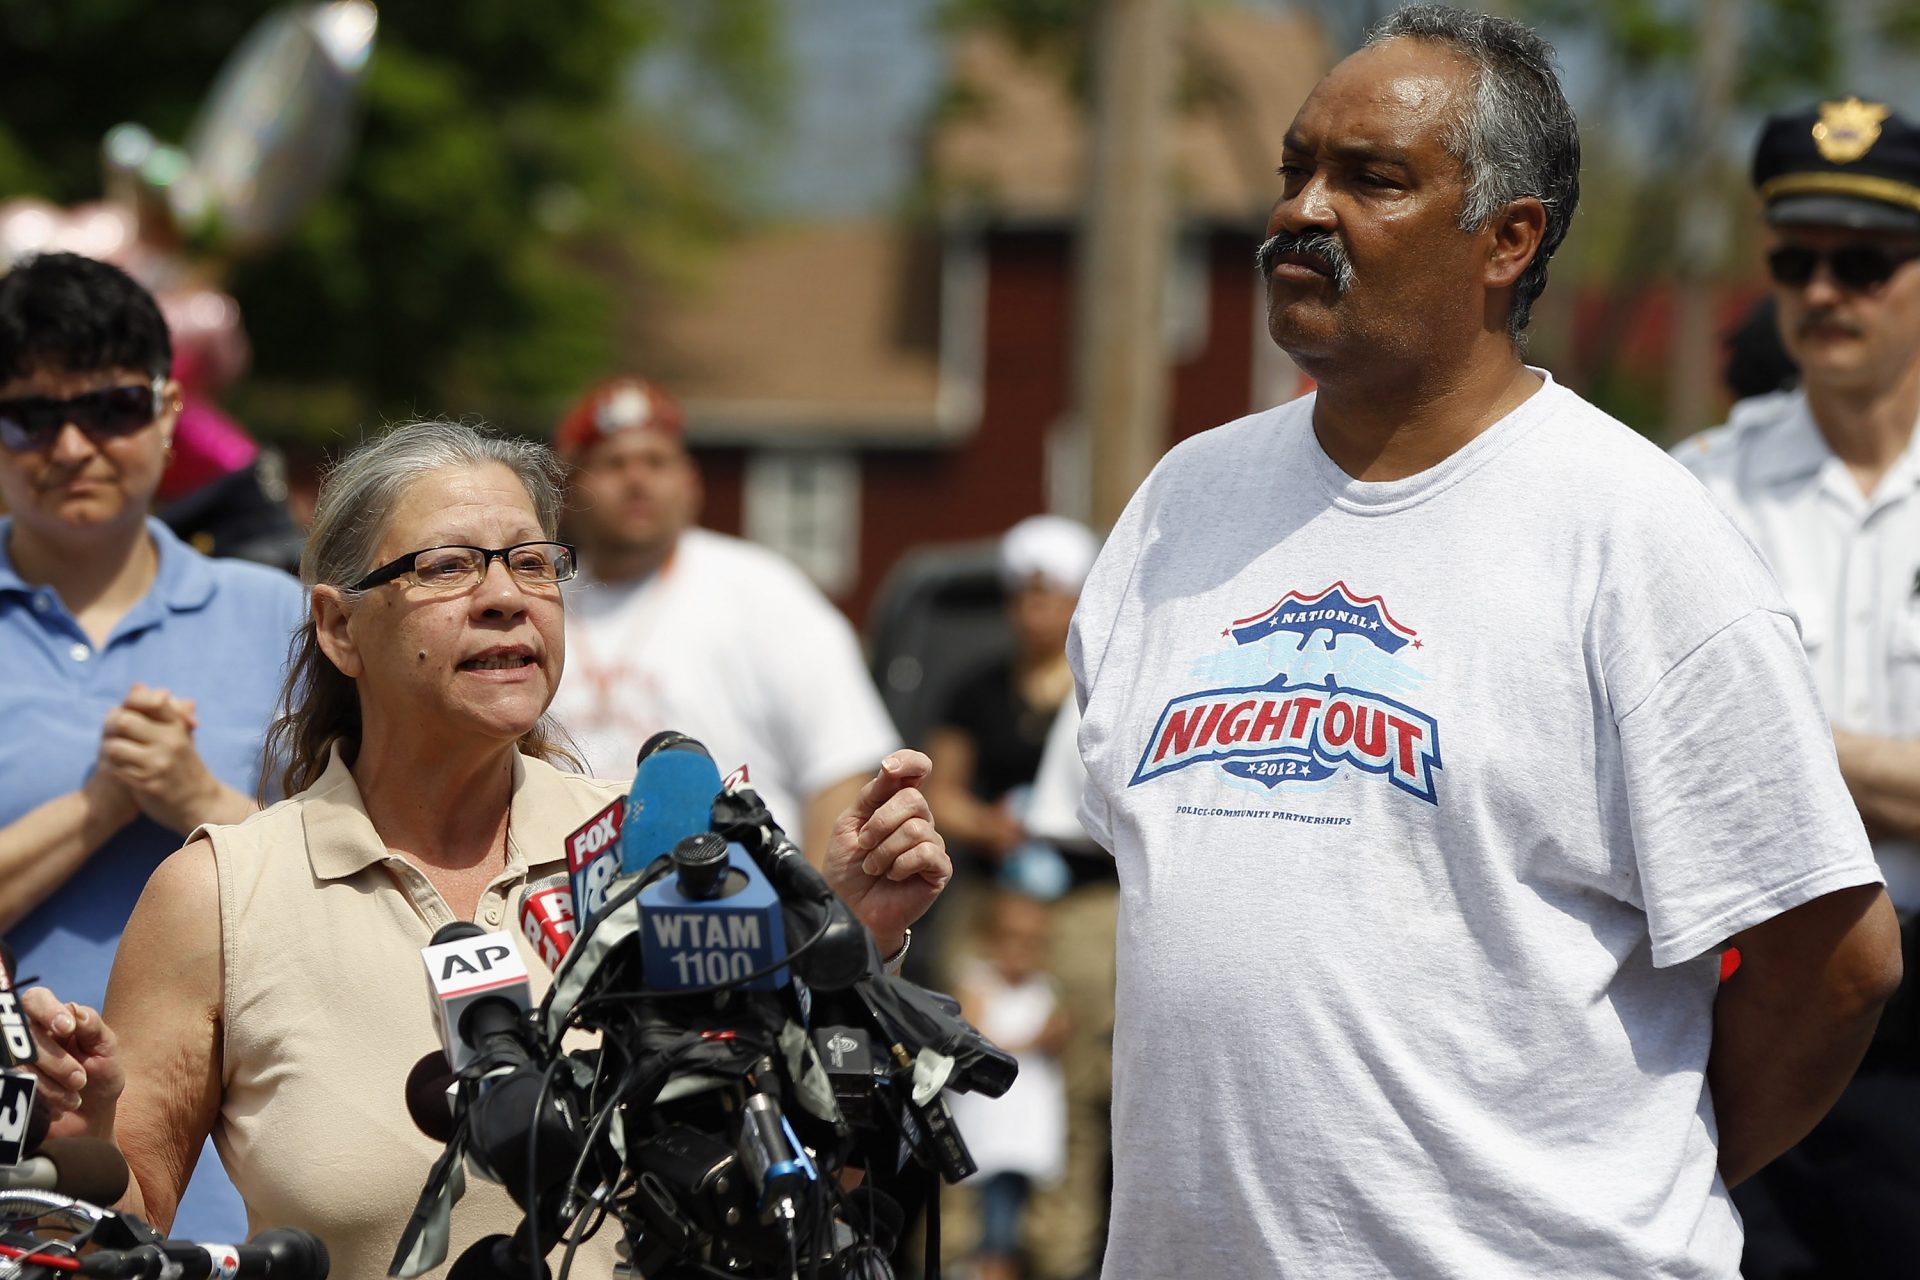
<point x="865" y="74"/>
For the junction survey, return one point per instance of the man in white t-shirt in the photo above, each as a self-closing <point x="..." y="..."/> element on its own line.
<point x="1826" y="481"/>
<point x="675" y="627"/>
<point x="1444" y="733"/>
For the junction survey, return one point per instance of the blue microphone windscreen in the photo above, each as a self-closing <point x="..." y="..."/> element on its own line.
<point x="672" y="797"/>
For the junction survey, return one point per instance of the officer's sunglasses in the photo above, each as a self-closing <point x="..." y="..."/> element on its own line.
<point x="1853" y="266"/>
<point x="32" y="423"/>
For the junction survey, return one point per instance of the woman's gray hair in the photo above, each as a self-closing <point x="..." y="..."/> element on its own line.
<point x="319" y="704"/>
<point x="1516" y="138"/>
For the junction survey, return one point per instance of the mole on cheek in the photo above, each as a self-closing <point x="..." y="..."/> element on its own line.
<point x="420" y="656"/>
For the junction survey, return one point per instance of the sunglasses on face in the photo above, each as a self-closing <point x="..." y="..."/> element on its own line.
<point x="1853" y="266"/>
<point x="34" y="422"/>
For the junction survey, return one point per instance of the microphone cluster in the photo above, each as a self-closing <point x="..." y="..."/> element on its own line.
<point x="752" y="1054"/>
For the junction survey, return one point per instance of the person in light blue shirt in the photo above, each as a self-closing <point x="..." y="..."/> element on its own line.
<point x="140" y="676"/>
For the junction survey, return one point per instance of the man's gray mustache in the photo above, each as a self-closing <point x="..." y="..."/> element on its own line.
<point x="1322" y="247"/>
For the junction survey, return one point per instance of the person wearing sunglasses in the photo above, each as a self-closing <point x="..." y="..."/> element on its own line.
<point x="1825" y="479"/>
<point x="140" y="675"/>
<point x="270" y="989"/>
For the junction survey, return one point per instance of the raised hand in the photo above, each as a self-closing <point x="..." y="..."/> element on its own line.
<point x="885" y="859"/>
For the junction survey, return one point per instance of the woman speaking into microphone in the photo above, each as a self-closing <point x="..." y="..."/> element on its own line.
<point x="269" y="991"/>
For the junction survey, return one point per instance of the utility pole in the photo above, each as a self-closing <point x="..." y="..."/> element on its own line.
<point x="1120" y="366"/>
<point x="1701" y="230"/>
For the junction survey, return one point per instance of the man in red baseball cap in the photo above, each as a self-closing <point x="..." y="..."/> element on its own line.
<point x="671" y="626"/>
<point x="636" y="485"/>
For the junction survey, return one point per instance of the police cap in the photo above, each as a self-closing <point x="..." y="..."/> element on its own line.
<point x="1844" y="163"/>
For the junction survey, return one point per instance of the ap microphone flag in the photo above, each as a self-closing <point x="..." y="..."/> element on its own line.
<point x="466" y="966"/>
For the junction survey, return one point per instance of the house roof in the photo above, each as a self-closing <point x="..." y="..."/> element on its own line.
<point x="1014" y="143"/>
<point x="834" y="331"/>
<point x="824" y="330"/>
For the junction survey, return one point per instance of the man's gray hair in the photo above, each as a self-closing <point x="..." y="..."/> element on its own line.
<point x="1516" y="138"/>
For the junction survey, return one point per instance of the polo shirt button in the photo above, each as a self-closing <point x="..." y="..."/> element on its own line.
<point x="80" y="653"/>
<point x="41" y="604"/>
<point x="491" y="915"/>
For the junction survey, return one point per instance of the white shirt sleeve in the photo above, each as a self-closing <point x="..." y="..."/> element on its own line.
<point x="1714" y="853"/>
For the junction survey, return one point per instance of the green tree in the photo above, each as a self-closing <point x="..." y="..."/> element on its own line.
<point x="502" y="208"/>
<point x="1664" y="201"/>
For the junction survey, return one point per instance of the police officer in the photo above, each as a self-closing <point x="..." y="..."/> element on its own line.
<point x="1825" y="478"/>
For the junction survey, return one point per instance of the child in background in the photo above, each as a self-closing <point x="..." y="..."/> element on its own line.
<point x="1019" y="1139"/>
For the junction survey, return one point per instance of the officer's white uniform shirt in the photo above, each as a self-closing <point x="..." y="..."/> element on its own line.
<point x="1848" y="564"/>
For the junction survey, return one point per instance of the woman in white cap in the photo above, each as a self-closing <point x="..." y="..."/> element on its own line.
<point x="995" y="724"/>
<point x="988" y="742"/>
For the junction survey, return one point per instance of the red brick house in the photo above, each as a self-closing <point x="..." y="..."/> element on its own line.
<point x="856" y="390"/>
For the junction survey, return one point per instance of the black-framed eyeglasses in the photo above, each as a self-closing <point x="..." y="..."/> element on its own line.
<point x="1853" y="266"/>
<point x="32" y="423"/>
<point x="456" y="567"/>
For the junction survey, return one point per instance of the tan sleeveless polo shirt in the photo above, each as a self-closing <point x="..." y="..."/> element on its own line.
<point x="327" y="1008"/>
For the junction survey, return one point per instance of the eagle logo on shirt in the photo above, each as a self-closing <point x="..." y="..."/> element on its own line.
<point x="1311" y="685"/>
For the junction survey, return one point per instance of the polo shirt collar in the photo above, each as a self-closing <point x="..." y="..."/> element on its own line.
<point x="342" y="842"/>
<point x="182" y="578"/>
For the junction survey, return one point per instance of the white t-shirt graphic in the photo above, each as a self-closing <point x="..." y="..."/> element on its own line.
<point x="1433" y="801"/>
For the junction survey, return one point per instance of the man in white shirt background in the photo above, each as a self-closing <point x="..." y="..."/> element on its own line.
<point x="1825" y="480"/>
<point x="671" y="626"/>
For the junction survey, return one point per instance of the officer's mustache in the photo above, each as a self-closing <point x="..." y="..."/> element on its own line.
<point x="1826" y="318"/>
<point x="1320" y="247"/>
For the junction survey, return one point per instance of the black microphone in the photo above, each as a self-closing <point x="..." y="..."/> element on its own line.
<point x="875" y="1215"/>
<point x="492" y="1029"/>
<point x="39" y="1120"/>
<point x="89" y="1169"/>
<point x="741" y="814"/>
<point x="913" y="1018"/>
<point x="481" y="994"/>
<point x="427" y="1100"/>
<point x="845" y="953"/>
<point x="498" y="1125"/>
<point x="282" y="1253"/>
<point x="497" y="1257"/>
